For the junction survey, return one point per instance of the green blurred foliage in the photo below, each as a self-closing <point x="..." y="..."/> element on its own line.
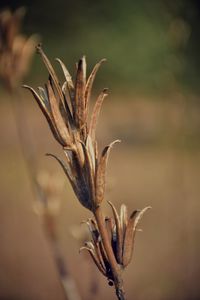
<point x="151" y="46"/>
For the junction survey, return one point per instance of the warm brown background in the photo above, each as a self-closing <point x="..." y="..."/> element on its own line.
<point x="144" y="169"/>
<point x="153" y="73"/>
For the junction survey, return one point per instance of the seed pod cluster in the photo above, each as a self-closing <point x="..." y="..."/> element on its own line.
<point x="121" y="230"/>
<point x="66" y="108"/>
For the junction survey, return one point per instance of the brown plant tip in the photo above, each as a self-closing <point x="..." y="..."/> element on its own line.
<point x="66" y="108"/>
<point x="16" y="50"/>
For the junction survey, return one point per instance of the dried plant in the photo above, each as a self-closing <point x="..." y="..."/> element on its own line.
<point x="47" y="207"/>
<point x="16" y="50"/>
<point x="66" y="109"/>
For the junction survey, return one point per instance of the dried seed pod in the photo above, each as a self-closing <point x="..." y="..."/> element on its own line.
<point x="95" y="114"/>
<point x="119" y="234"/>
<point x="130" y="235"/>
<point x="101" y="173"/>
<point x="80" y="116"/>
<point x="125" y="232"/>
<point x="68" y="122"/>
<point x="57" y="118"/>
<point x="89" y="84"/>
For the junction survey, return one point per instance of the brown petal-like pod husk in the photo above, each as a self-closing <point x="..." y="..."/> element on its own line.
<point x="130" y="234"/>
<point x="66" y="111"/>
<point x="51" y="73"/>
<point x="68" y="77"/>
<point x="57" y="117"/>
<point x="139" y="216"/>
<point x="89" y="83"/>
<point x="109" y="222"/>
<point x="44" y="96"/>
<point x="123" y="218"/>
<point x="95" y="145"/>
<point x="89" y="174"/>
<point x="43" y="106"/>
<point x="119" y="243"/>
<point x="96" y="240"/>
<point x="79" y="152"/>
<point x="63" y="105"/>
<point x="80" y="116"/>
<point x="70" y="85"/>
<point x="93" y="230"/>
<point x="46" y="113"/>
<point x="95" y="114"/>
<point x="129" y="239"/>
<point x="91" y="152"/>
<point x="101" y="174"/>
<point x="79" y="186"/>
<point x="95" y="259"/>
<point x="104" y="257"/>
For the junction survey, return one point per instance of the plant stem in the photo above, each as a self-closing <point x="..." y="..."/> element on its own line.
<point x="29" y="156"/>
<point x="115" y="269"/>
<point x="25" y="142"/>
<point x="68" y="283"/>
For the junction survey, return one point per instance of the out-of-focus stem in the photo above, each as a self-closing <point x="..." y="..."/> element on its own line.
<point x="25" y="143"/>
<point x="67" y="281"/>
<point x="115" y="269"/>
<point x="28" y="154"/>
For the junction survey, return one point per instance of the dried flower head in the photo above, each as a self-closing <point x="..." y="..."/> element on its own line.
<point x="16" y="50"/>
<point x="121" y="230"/>
<point x="66" y="110"/>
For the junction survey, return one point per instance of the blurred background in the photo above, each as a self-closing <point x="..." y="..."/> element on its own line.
<point x="153" y="73"/>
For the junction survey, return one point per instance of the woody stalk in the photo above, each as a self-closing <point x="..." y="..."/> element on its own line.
<point x="66" y="108"/>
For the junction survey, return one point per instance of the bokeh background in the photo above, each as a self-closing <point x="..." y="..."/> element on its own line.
<point x="153" y="74"/>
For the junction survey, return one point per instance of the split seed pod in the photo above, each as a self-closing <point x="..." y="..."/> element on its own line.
<point x="121" y="230"/>
<point x="66" y="108"/>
